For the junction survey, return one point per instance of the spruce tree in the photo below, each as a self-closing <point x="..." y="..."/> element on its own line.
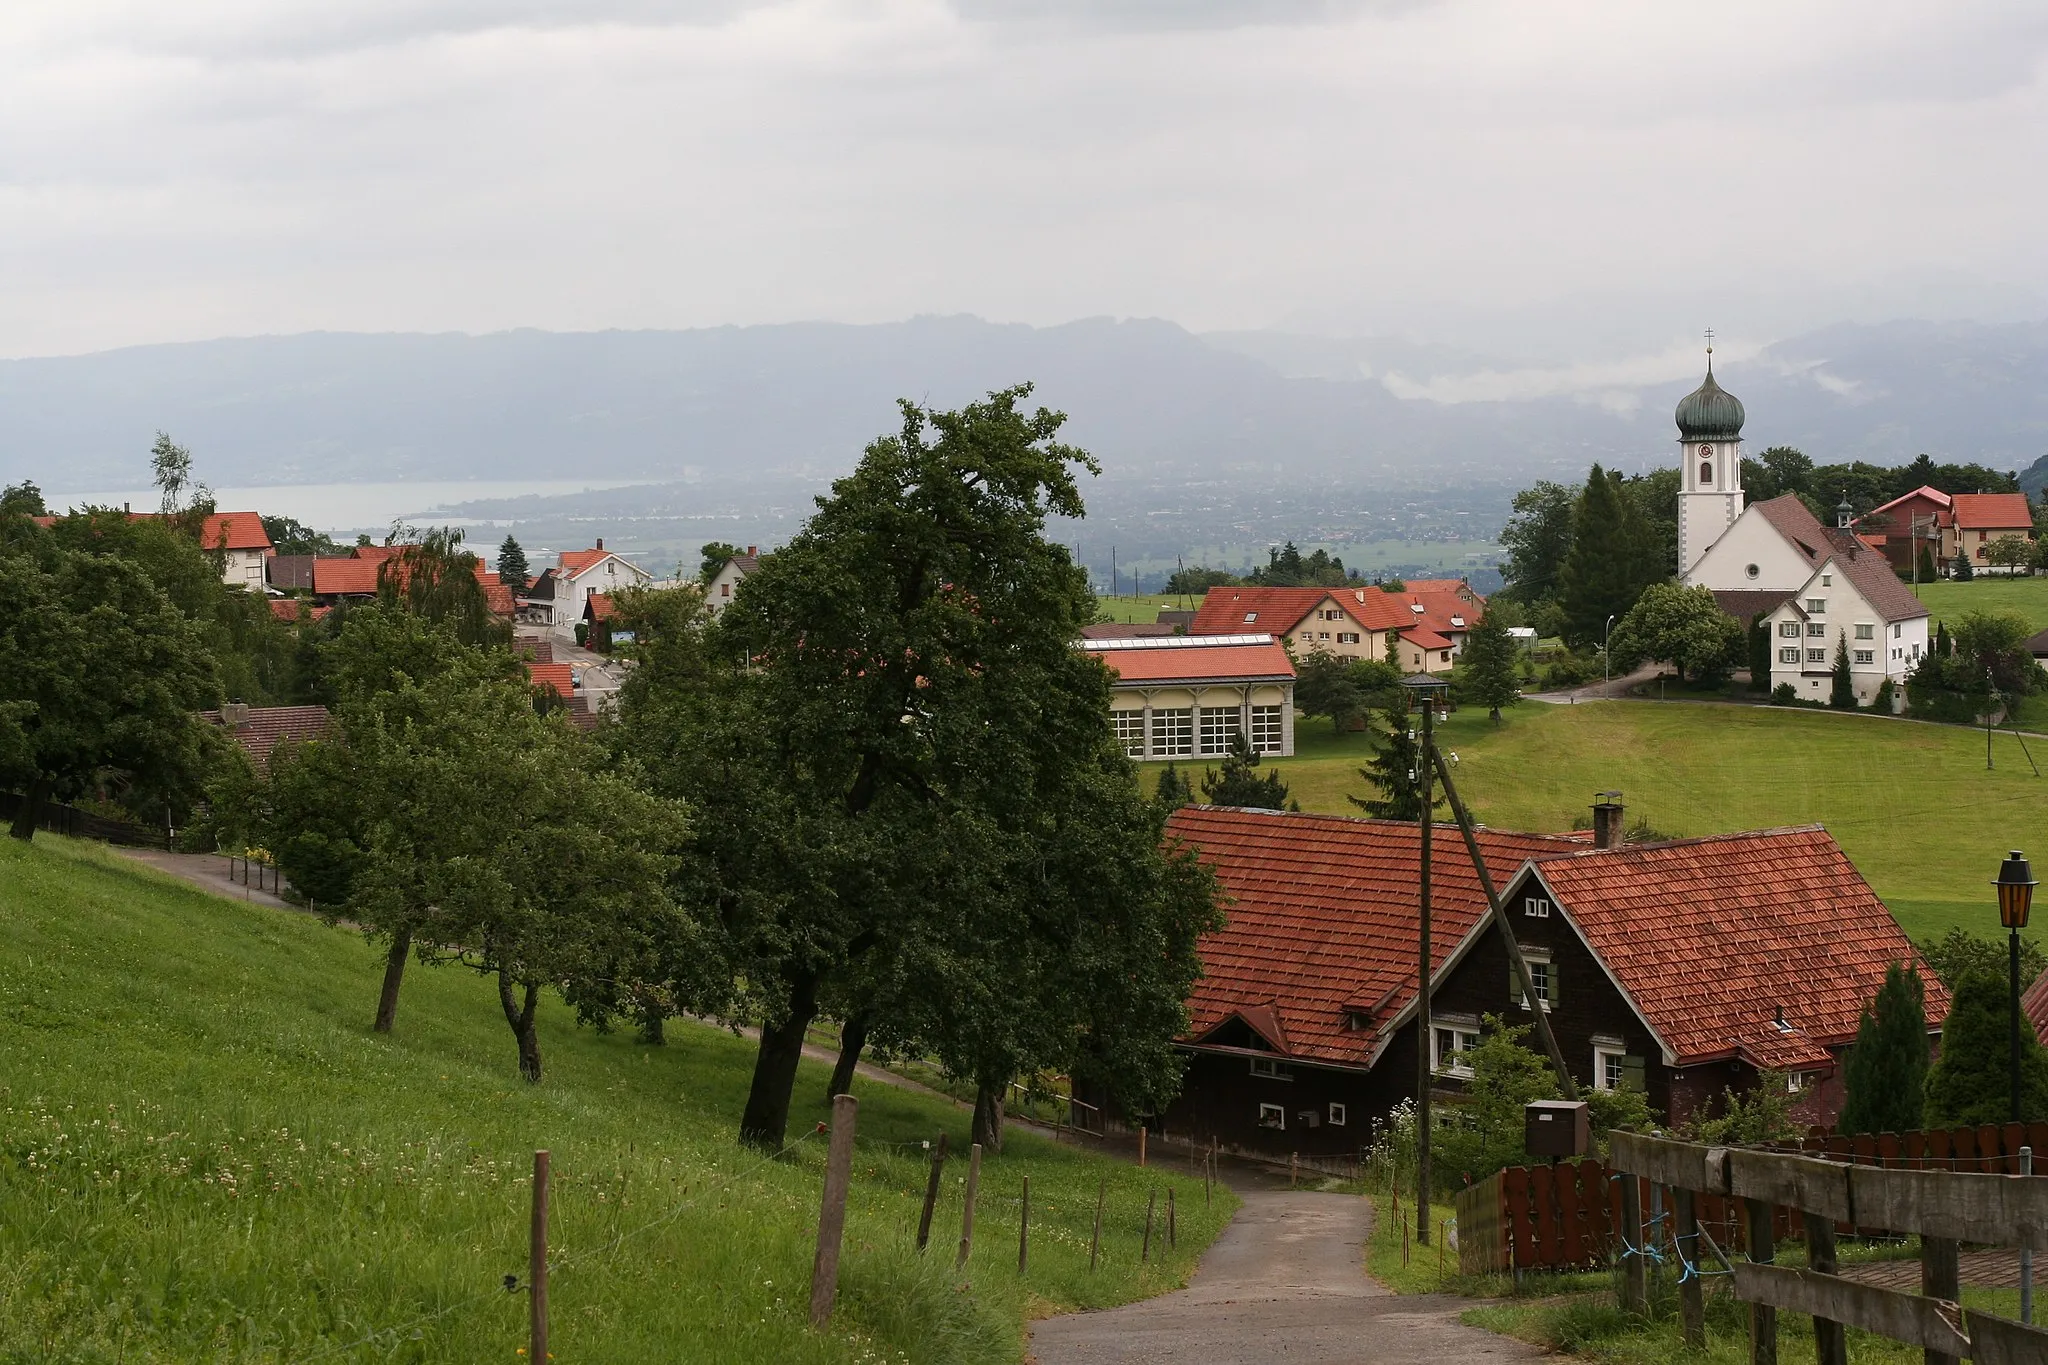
<point x="1963" y="572"/>
<point x="512" y="567"/>
<point x="1614" y="555"/>
<point x="1842" y="696"/>
<point x="1490" y="656"/>
<point x="1971" y="1083"/>
<point x="1887" y="1070"/>
<point x="1174" y="790"/>
<point x="1240" y="783"/>
<point x="1395" y="772"/>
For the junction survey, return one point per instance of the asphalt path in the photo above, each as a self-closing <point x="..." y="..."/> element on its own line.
<point x="1285" y="1282"/>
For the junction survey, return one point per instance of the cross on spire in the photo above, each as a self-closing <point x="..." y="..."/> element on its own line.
<point x="1710" y="350"/>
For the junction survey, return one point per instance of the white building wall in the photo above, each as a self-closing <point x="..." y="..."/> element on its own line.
<point x="1895" y="647"/>
<point x="727" y="582"/>
<point x="243" y="568"/>
<point x="1709" y="498"/>
<point x="1752" y="540"/>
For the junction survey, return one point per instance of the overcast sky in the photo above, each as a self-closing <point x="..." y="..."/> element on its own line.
<point x="1507" y="175"/>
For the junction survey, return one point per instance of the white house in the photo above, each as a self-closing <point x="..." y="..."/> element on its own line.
<point x="579" y="573"/>
<point x="718" y="592"/>
<point x="1852" y="599"/>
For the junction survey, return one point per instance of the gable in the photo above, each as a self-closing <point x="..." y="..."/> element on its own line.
<point x="1783" y="562"/>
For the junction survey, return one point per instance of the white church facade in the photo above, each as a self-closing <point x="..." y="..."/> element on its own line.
<point x="1814" y="588"/>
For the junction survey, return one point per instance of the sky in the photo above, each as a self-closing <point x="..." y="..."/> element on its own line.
<point x="1559" y="184"/>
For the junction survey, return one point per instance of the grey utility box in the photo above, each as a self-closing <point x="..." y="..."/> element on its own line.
<point x="1557" y="1128"/>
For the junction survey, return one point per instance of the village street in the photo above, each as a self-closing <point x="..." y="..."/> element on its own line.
<point x="1285" y="1281"/>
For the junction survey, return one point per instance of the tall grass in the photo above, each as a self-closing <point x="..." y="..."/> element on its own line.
<point x="205" y="1155"/>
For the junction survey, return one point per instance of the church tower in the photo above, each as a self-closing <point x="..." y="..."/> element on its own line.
<point x="1710" y="466"/>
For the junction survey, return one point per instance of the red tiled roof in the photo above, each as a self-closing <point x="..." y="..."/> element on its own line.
<point x="242" y="530"/>
<point x="1795" y="521"/>
<point x="561" y="677"/>
<point x="1197" y="662"/>
<point x="580" y="714"/>
<point x="534" y="651"/>
<point x="349" y="577"/>
<point x="1454" y="586"/>
<point x="1993" y="512"/>
<point x="1280" y="610"/>
<point x="498" y="599"/>
<point x="268" y="726"/>
<point x="376" y="554"/>
<point x="2034" y="1004"/>
<point x="1922" y="493"/>
<point x="1711" y="937"/>
<point x="599" y="606"/>
<point x="295" y="609"/>
<point x="1276" y="610"/>
<point x="1125" y="630"/>
<point x="1322" y="918"/>
<point x="1423" y="638"/>
<point x="575" y="562"/>
<point x="1875" y="579"/>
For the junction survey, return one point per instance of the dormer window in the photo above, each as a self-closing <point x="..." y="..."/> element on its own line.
<point x="1356" y="1021"/>
<point x="1458" y="621"/>
<point x="1415" y="607"/>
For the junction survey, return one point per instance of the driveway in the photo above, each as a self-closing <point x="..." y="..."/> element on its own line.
<point x="1286" y="1282"/>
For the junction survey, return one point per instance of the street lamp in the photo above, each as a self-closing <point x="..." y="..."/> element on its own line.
<point x="1606" y="670"/>
<point x="1428" y="693"/>
<point x="2015" y="897"/>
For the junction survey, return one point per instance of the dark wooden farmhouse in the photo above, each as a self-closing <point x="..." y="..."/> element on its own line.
<point x="1682" y="968"/>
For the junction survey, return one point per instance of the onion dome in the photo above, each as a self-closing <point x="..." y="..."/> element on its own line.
<point x="1709" y="413"/>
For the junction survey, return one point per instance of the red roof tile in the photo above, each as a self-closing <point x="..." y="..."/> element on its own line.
<point x="1322" y="917"/>
<point x="296" y="609"/>
<point x="1276" y="610"/>
<point x="1424" y="638"/>
<point x="265" y="727"/>
<point x="534" y="650"/>
<point x="350" y="577"/>
<point x="1874" y="578"/>
<point x="1795" y="521"/>
<point x="1711" y="937"/>
<point x="599" y="606"/>
<point x="2034" y="1004"/>
<point x="561" y="677"/>
<point x="1993" y="512"/>
<point x="576" y="561"/>
<point x="241" y="530"/>
<point x="1195" y="662"/>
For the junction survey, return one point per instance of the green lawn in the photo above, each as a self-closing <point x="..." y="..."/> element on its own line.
<point x="1145" y="608"/>
<point x="1910" y="803"/>
<point x="205" y="1155"/>
<point x="2027" y="596"/>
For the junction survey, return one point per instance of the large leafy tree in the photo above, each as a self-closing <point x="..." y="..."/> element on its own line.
<point x="435" y="578"/>
<point x="1887" y="1069"/>
<point x="290" y="536"/>
<point x="1537" y="538"/>
<point x="101" y="678"/>
<point x="1679" y="625"/>
<point x="1343" y="689"/>
<point x="715" y="556"/>
<point x="1490" y="659"/>
<point x="1971" y="1083"/>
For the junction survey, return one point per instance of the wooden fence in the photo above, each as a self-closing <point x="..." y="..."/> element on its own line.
<point x="1944" y="1207"/>
<point x="59" y="818"/>
<point x="1992" y="1148"/>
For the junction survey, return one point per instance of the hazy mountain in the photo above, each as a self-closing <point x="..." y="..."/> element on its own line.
<point x="789" y="405"/>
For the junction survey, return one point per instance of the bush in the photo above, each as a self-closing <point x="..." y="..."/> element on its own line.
<point x="1971" y="1084"/>
<point x="1568" y="670"/>
<point x="1886" y="702"/>
<point x="1784" y="694"/>
<point x="583" y="634"/>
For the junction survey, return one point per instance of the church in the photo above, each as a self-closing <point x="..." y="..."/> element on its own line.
<point x="1814" y="588"/>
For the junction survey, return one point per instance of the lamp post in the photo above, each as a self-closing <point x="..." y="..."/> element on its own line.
<point x="1606" y="637"/>
<point x="1428" y="693"/>
<point x="2015" y="897"/>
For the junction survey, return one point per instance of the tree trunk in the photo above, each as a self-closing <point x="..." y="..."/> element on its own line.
<point x="766" y="1120"/>
<point x="520" y="1017"/>
<point x="653" y="1017"/>
<point x="31" y="810"/>
<point x="394" y="973"/>
<point x="853" y="1036"/>
<point x="988" y="1117"/>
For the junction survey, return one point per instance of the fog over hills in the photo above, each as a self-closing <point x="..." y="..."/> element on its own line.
<point x="790" y="405"/>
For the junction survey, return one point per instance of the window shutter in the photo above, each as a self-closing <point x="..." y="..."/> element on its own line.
<point x="1632" y="1075"/>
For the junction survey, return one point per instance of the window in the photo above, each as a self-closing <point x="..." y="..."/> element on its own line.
<point x="1866" y="656"/>
<point x="1706" y="476"/>
<point x="1253" y="616"/>
<point x="1798" y="1081"/>
<point x="1816" y="656"/>
<point x="1173" y="733"/>
<point x="1448" y="1052"/>
<point x="1543" y="972"/>
<point x="1788" y="630"/>
<point x="1273" y="1115"/>
<point x="1266" y="729"/>
<point x="1816" y="630"/>
<point x="1347" y="637"/>
<point x="1219" y="723"/>
<point x="1130" y="732"/>
<point x="1789" y="656"/>
<point x="1337" y="1115"/>
<point x="1865" y="631"/>
<point x="1333" y="616"/>
<point x="1898" y="631"/>
<point x="1607" y="1068"/>
<point x="1816" y="606"/>
<point x="1752" y="570"/>
<point x="725" y="589"/>
<point x="1536" y="907"/>
<point x="1322" y="635"/>
<point x="1827" y="580"/>
<point x="1272" y="1070"/>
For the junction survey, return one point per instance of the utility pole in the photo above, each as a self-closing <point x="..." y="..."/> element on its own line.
<point x="1424" y="1031"/>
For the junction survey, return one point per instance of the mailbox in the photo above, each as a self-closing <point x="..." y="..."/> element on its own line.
<point x="1557" y="1128"/>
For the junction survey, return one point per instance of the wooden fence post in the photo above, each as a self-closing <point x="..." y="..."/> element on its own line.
<point x="1171" y="1238"/>
<point x="931" y="1193"/>
<point x="1830" y="1342"/>
<point x="537" y="1264"/>
<point x="1940" y="1278"/>
<point x="1141" y="1146"/>
<point x="1095" y="1242"/>
<point x="1151" y="1197"/>
<point x="1024" y="1229"/>
<point x="832" y="1211"/>
<point x="1692" y="1306"/>
<point x="1763" y="1318"/>
<point x="967" y="1212"/>
<point x="1635" y="1294"/>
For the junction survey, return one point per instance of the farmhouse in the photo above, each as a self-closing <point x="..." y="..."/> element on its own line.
<point x="1947" y="525"/>
<point x="1681" y="968"/>
<point x="718" y="592"/>
<point x="1854" y="601"/>
<point x="1185" y="696"/>
<point x="1420" y="629"/>
<point x="581" y="573"/>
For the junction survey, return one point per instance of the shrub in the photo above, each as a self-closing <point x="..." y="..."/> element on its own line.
<point x="1784" y="694"/>
<point x="1886" y="702"/>
<point x="1971" y="1083"/>
<point x="1887" y="1069"/>
<point x="583" y="634"/>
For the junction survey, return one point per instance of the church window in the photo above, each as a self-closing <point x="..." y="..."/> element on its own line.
<point x="1706" y="473"/>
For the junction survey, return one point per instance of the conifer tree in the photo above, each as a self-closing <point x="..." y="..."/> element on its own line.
<point x="512" y="567"/>
<point x="1174" y="789"/>
<point x="1490" y="664"/>
<point x="1963" y="572"/>
<point x="1887" y="1070"/>
<point x="1395" y="772"/>
<point x="1240" y="783"/>
<point x="1613" y="557"/>
<point x="1971" y="1084"/>
<point x="1842" y="695"/>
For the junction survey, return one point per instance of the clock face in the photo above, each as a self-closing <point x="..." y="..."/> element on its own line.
<point x="1706" y="452"/>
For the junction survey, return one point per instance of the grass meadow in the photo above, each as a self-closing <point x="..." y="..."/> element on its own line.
<point x="1912" y="804"/>
<point x="206" y="1155"/>
<point x="2027" y="596"/>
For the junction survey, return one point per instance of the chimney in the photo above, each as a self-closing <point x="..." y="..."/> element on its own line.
<point x="127" y="507"/>
<point x="235" y="714"/>
<point x="750" y="552"/>
<point x="1607" y="812"/>
<point x="600" y="542"/>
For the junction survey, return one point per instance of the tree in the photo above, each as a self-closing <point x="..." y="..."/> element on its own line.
<point x="1537" y="538"/>
<point x="1959" y="952"/>
<point x="1683" y="626"/>
<point x="1887" y="1069"/>
<point x="1654" y="499"/>
<point x="1195" y="582"/>
<point x="1611" y="560"/>
<point x="1395" y="772"/>
<point x="512" y="568"/>
<point x="1343" y="689"/>
<point x="1963" y="573"/>
<point x="2010" y="552"/>
<point x="22" y="499"/>
<point x="171" y="470"/>
<point x="436" y="579"/>
<point x="1842" y="690"/>
<point x="1971" y="1082"/>
<point x="1240" y="784"/>
<point x="1490" y="658"/>
<point x="715" y="556"/>
<point x="1925" y="570"/>
<point x="1995" y="643"/>
<point x="101" y="678"/>
<point x="1487" y="1132"/>
<point x="1173" y="789"/>
<point x="1758" y="635"/>
<point x="1775" y="471"/>
<point x="289" y="536"/>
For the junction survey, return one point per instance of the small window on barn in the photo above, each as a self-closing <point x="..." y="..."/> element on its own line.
<point x="1272" y="1070"/>
<point x="1536" y="907"/>
<point x="1336" y="1115"/>
<point x="1543" y="972"/>
<point x="1273" y="1116"/>
<point x="1798" y="1081"/>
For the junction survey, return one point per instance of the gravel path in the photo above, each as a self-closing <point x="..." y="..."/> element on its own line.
<point x="1285" y="1282"/>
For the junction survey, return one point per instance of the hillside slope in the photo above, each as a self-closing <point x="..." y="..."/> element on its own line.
<point x="206" y="1155"/>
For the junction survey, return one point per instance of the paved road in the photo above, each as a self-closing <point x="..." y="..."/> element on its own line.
<point x="1284" y="1283"/>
